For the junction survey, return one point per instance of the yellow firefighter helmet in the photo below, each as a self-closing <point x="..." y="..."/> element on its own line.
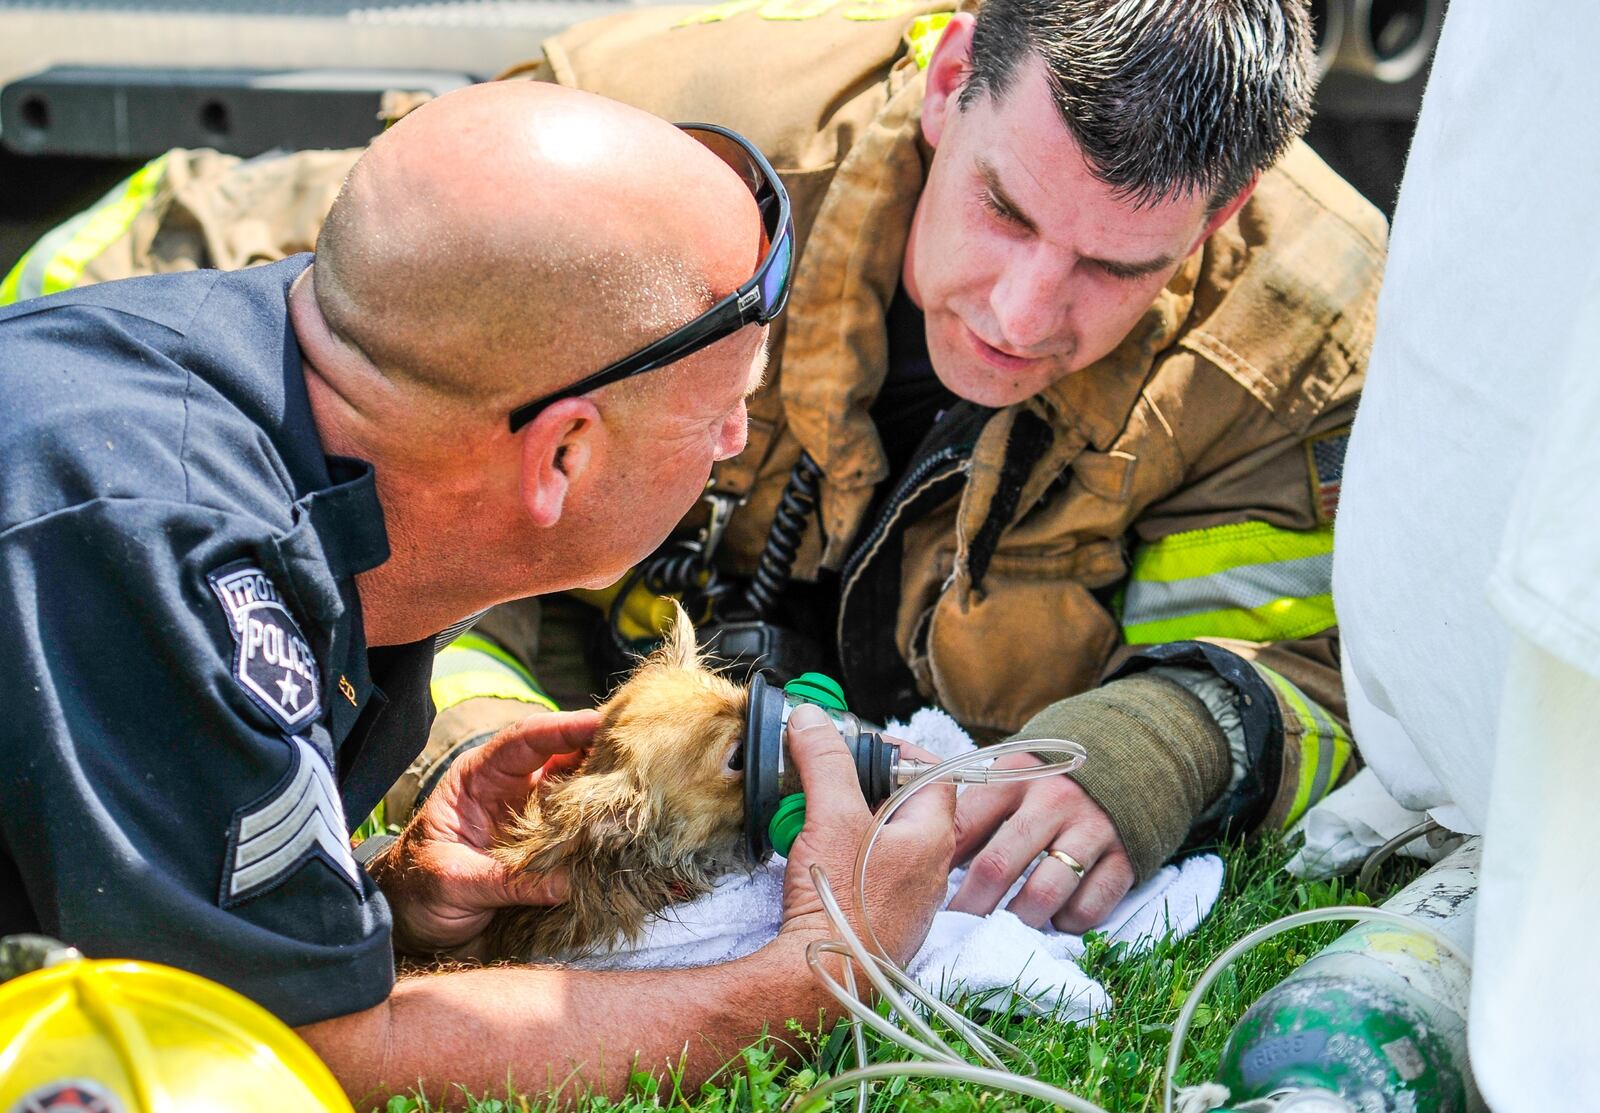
<point x="83" y="1036"/>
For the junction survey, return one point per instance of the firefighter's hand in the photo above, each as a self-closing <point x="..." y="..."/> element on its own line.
<point x="1002" y="829"/>
<point x="442" y="883"/>
<point x="910" y="864"/>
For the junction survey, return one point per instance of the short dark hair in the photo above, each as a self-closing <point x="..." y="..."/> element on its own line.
<point x="1166" y="97"/>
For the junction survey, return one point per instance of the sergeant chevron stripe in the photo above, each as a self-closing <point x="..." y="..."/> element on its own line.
<point x="276" y="836"/>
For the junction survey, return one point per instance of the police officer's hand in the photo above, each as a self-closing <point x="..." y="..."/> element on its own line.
<point x="910" y="864"/>
<point x="442" y="884"/>
<point x="1002" y="829"/>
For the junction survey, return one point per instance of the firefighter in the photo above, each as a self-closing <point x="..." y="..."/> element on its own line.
<point x="1078" y="328"/>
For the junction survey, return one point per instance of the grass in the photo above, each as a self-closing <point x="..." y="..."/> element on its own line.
<point x="1116" y="1062"/>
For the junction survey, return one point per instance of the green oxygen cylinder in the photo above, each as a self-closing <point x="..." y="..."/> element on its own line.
<point x="1376" y="1023"/>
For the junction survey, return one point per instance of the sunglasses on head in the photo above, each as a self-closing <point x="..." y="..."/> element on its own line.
<point x="756" y="302"/>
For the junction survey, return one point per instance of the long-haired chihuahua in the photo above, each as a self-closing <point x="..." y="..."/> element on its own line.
<point x="652" y="815"/>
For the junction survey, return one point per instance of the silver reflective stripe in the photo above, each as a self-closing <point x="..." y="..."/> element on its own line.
<point x="305" y="817"/>
<point x="1245" y="588"/>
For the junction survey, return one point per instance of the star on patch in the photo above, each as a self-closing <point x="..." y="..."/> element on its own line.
<point x="290" y="690"/>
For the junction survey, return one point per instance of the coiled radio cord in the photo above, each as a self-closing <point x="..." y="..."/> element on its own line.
<point x="776" y="564"/>
<point x="686" y="568"/>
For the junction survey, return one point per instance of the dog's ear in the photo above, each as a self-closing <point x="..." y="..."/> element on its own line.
<point x="678" y="646"/>
<point x="599" y="830"/>
<point x="575" y="822"/>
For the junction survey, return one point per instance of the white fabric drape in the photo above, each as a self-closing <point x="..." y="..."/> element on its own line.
<point x="1467" y="558"/>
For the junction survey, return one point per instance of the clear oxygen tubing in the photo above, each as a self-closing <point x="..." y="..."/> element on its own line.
<point x="970" y="768"/>
<point x="1369" y="869"/>
<point x="941" y="1060"/>
<point x="1356" y="913"/>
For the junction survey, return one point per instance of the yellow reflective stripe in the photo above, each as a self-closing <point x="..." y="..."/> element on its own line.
<point x="718" y="12"/>
<point x="458" y="688"/>
<point x="1204" y="552"/>
<point x="111" y="218"/>
<point x="1280" y="620"/>
<point x="477" y="643"/>
<point x="1247" y="580"/>
<point x="924" y="34"/>
<point x="782" y="10"/>
<point x="1324" y="747"/>
<point x="26" y="279"/>
<point x="472" y="667"/>
<point x="8" y="288"/>
<point x="877" y="10"/>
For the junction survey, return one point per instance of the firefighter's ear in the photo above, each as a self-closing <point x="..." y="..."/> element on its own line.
<point x="558" y="448"/>
<point x="1224" y="213"/>
<point x="948" y="70"/>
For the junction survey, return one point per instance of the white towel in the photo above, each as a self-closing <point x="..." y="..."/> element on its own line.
<point x="1353" y="821"/>
<point x="996" y="954"/>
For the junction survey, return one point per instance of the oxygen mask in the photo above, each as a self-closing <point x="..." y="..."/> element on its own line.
<point x="774" y="804"/>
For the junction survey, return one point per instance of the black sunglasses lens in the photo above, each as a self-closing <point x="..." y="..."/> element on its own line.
<point x="743" y="163"/>
<point x="775" y="278"/>
<point x="730" y="152"/>
<point x="773" y="281"/>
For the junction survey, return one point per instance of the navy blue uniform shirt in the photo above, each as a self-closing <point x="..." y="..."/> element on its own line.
<point x="192" y="719"/>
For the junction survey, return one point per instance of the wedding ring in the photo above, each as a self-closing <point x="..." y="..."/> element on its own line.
<point x="1078" y="868"/>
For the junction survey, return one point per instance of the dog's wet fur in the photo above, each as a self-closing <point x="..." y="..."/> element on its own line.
<point x="652" y="815"/>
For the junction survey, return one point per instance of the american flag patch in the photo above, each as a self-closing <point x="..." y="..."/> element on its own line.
<point x="1325" y="459"/>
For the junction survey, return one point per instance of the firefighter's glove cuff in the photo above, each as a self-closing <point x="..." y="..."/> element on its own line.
<point x="1156" y="759"/>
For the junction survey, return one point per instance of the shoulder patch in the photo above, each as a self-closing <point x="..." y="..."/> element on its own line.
<point x="1325" y="461"/>
<point x="300" y="819"/>
<point x="272" y="661"/>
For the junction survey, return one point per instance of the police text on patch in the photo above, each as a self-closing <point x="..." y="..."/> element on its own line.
<point x="273" y="662"/>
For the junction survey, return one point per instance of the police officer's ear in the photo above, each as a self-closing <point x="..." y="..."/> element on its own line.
<point x="558" y="447"/>
<point x="948" y="70"/>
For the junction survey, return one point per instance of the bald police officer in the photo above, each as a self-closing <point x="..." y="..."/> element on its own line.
<point x="236" y="510"/>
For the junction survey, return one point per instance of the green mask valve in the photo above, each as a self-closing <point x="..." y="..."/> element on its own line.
<point x="825" y="692"/>
<point x="786" y="822"/>
<point x="817" y="688"/>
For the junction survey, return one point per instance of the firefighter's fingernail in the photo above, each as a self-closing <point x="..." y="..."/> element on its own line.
<point x="807" y="717"/>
